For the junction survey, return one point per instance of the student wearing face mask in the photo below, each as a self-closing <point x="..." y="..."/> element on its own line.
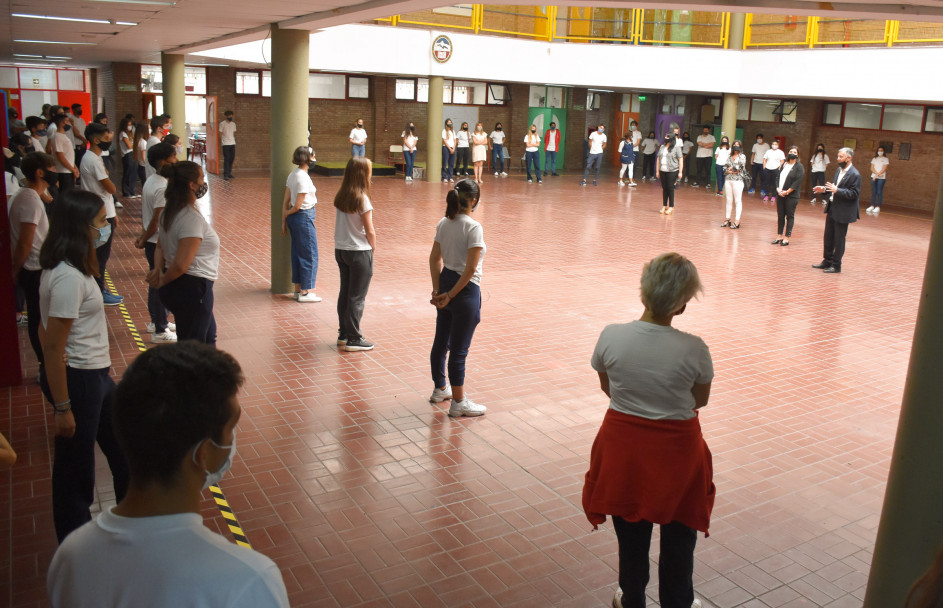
<point x="62" y="150"/>
<point x="721" y="154"/>
<point x="687" y="146"/>
<point x="179" y="438"/>
<point x="649" y="147"/>
<point x="160" y="128"/>
<point x="76" y="133"/>
<point x="95" y="180"/>
<point x="448" y="151"/>
<point x="626" y="159"/>
<point x="410" y="139"/>
<point x="759" y="151"/>
<point x="841" y="209"/>
<point x="705" y="150"/>
<point x="532" y="154"/>
<point x="670" y="169"/>
<point x="126" y="148"/>
<point x="358" y="139"/>
<point x="174" y="140"/>
<point x="818" y="165"/>
<point x="462" y="150"/>
<point x="788" y="184"/>
<point x="227" y="139"/>
<point x="878" y="178"/>
<point x="497" y="143"/>
<point x="37" y="130"/>
<point x="75" y="377"/>
<point x="597" y="143"/>
<point x="772" y="164"/>
<point x="735" y="171"/>
<point x="551" y="147"/>
<point x="479" y="151"/>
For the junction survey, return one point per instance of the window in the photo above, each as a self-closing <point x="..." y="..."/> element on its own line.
<point x="715" y="101"/>
<point x="593" y="100"/>
<point x="358" y="87"/>
<point x="538" y="96"/>
<point x="248" y="83"/>
<point x="762" y="110"/>
<point x="71" y="80"/>
<point x="672" y="104"/>
<point x="446" y="91"/>
<point x="902" y="118"/>
<point x="422" y="90"/>
<point x="743" y="108"/>
<point x="326" y="86"/>
<point x="863" y="115"/>
<point x="466" y="92"/>
<point x="831" y="114"/>
<point x="406" y="89"/>
<point x="266" y="83"/>
<point x="194" y="79"/>
<point x="498" y="94"/>
<point x="33" y="78"/>
<point x="9" y="78"/>
<point x="934" y="122"/>
<point x="151" y="79"/>
<point x="555" y="97"/>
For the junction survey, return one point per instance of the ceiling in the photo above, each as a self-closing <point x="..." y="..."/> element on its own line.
<point x="192" y="25"/>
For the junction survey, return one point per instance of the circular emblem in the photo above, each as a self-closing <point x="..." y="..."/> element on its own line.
<point x="442" y="49"/>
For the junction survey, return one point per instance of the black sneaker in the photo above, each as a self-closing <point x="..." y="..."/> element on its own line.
<point x="341" y="338"/>
<point x="358" y="344"/>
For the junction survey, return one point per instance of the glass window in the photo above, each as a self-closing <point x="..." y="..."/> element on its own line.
<point x="863" y="115"/>
<point x="405" y="88"/>
<point x="538" y="96"/>
<point x="934" y="122"/>
<point x="625" y="105"/>
<point x="464" y="91"/>
<point x="195" y="107"/>
<point x="326" y="86"/>
<point x="9" y="79"/>
<point x="151" y="79"/>
<point x="461" y="92"/>
<point x="762" y="110"/>
<point x="555" y="97"/>
<point x="358" y="87"/>
<point x="831" y="114"/>
<point x="266" y="83"/>
<point x="715" y="101"/>
<point x="71" y="80"/>
<point x="422" y="90"/>
<point x="497" y="94"/>
<point x="903" y="118"/>
<point x="248" y="83"/>
<point x="593" y="99"/>
<point x="446" y="91"/>
<point x="743" y="108"/>
<point x="194" y="79"/>
<point x="33" y="78"/>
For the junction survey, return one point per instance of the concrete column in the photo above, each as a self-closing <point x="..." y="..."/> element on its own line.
<point x="729" y="117"/>
<point x="912" y="518"/>
<point x="435" y="126"/>
<point x="175" y="96"/>
<point x="289" y="129"/>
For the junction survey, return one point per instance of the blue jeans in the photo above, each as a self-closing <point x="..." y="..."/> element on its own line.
<point x="410" y="158"/>
<point x="532" y="158"/>
<point x="103" y="253"/>
<point x="448" y="162"/>
<point x="594" y="160"/>
<point x="454" y="327"/>
<point x="304" y="248"/>
<point x="877" y="192"/>
<point x="358" y="150"/>
<point x="155" y="307"/>
<point x="721" y="178"/>
<point x="550" y="161"/>
<point x="190" y="298"/>
<point x="497" y="160"/>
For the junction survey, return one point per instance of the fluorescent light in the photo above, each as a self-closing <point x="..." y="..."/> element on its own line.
<point x="35" y="65"/>
<point x="137" y="2"/>
<point x="125" y="23"/>
<point x="203" y="65"/>
<point x="75" y="19"/>
<point x="29" y="56"/>
<point x="55" y="42"/>
<point x="56" y="57"/>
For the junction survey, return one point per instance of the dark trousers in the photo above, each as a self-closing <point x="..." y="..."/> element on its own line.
<point x="721" y="178"/>
<point x="190" y="298"/>
<point x="703" y="164"/>
<point x="675" y="563"/>
<point x="818" y="179"/>
<point x="462" y="156"/>
<point x="756" y="172"/>
<point x="648" y="165"/>
<point x="79" y="153"/>
<point x="155" y="308"/>
<point x="786" y="212"/>
<point x="497" y="160"/>
<point x="550" y="161"/>
<point x="129" y="176"/>
<point x="448" y="163"/>
<point x="454" y="327"/>
<point x="668" y="179"/>
<point x="593" y="161"/>
<point x="229" y="157"/>
<point x="142" y="176"/>
<point x="73" y="467"/>
<point x="66" y="181"/>
<point x="103" y="253"/>
<point x="770" y="181"/>
<point x="532" y="159"/>
<point x="356" y="270"/>
<point x="28" y="280"/>
<point x="835" y="233"/>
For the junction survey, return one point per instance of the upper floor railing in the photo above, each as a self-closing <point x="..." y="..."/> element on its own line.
<point x="668" y="27"/>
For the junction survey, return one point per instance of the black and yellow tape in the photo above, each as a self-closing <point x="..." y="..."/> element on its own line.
<point x="217" y="493"/>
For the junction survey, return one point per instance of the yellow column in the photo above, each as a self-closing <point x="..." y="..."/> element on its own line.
<point x="728" y="122"/>
<point x="911" y="526"/>
<point x="175" y="96"/>
<point x="289" y="129"/>
<point x="434" y="128"/>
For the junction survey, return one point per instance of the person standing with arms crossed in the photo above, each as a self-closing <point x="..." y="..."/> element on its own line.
<point x="551" y="147"/>
<point x="705" y="150"/>
<point x="597" y="143"/>
<point x="841" y="209"/>
<point x="497" y="143"/>
<point x="358" y="139"/>
<point x="772" y="164"/>
<point x="227" y="139"/>
<point x="532" y="154"/>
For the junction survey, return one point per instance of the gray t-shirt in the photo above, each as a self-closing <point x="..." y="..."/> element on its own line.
<point x="652" y="369"/>
<point x="668" y="159"/>
<point x="190" y="223"/>
<point x="349" y="233"/>
<point x="152" y="199"/>
<point x="66" y="293"/>
<point x="455" y="238"/>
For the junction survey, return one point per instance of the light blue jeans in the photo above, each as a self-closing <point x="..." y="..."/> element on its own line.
<point x="358" y="150"/>
<point x="304" y="248"/>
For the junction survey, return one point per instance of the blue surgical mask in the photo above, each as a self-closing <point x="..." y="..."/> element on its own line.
<point x="104" y="233"/>
<point x="214" y="477"/>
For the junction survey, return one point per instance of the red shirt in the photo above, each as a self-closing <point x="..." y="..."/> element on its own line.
<point x="556" y="135"/>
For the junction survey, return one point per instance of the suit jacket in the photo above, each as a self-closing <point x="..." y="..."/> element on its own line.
<point x="793" y="180"/>
<point x="843" y="207"/>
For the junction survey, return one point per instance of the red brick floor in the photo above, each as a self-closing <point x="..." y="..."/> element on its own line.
<point x="367" y="495"/>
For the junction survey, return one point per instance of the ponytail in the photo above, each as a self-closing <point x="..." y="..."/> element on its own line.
<point x="178" y="194"/>
<point x="463" y="197"/>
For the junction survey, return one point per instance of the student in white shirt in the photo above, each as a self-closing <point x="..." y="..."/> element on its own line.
<point x="817" y="167"/>
<point x="462" y="150"/>
<point x="878" y="178"/>
<point x="75" y="377"/>
<point x="455" y="265"/>
<point x="703" y="156"/>
<point x="126" y="149"/>
<point x="355" y="242"/>
<point x="95" y="180"/>
<point x="153" y="200"/>
<point x="175" y="415"/>
<point x="62" y="150"/>
<point x="636" y="145"/>
<point x="649" y="148"/>
<point x="597" y="143"/>
<point x="186" y="262"/>
<point x="448" y="151"/>
<point x="160" y="127"/>
<point x="497" y="145"/>
<point x="298" y="218"/>
<point x="532" y="153"/>
<point x="410" y="139"/>
<point x="358" y="139"/>
<point x="687" y="146"/>
<point x="479" y="151"/>
<point x="772" y="162"/>
<point x="77" y="132"/>
<point x="227" y="139"/>
<point x="758" y="152"/>
<point x="721" y="154"/>
<point x="37" y="130"/>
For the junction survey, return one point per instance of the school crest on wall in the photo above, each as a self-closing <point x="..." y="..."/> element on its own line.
<point x="441" y="49"/>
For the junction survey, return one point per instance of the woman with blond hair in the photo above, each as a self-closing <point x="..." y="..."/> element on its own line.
<point x="355" y="240"/>
<point x="479" y="151"/>
<point x="649" y="463"/>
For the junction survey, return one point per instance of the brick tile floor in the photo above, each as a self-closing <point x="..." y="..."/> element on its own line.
<point x="367" y="495"/>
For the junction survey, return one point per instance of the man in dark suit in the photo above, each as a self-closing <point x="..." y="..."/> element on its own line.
<point x="841" y="209"/>
<point x="787" y="186"/>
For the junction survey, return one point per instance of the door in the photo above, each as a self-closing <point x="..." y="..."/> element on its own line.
<point x="620" y="128"/>
<point x="542" y="117"/>
<point x="212" y="135"/>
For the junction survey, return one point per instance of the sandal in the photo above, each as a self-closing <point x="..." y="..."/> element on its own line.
<point x="734" y="226"/>
<point x="784" y="244"/>
<point x="725" y="224"/>
<point x="777" y="242"/>
<point x="663" y="210"/>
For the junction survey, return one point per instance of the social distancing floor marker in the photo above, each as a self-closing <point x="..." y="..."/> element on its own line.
<point x="224" y="508"/>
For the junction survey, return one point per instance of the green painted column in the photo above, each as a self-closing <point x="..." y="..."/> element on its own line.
<point x="175" y="96"/>
<point x="728" y="122"/>
<point x="434" y="128"/>
<point x="289" y="129"/>
<point x="911" y="528"/>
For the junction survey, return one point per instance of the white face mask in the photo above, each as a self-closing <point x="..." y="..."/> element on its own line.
<point x="213" y="478"/>
<point x="130" y="128"/>
<point x="880" y="152"/>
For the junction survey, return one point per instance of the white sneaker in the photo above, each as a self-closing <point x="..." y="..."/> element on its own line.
<point x="308" y="297"/>
<point x="621" y="183"/>
<point x="172" y="327"/>
<point x="876" y="211"/>
<point x="496" y="174"/>
<point x="869" y="209"/>
<point x="118" y="205"/>
<point x="617" y="598"/>
<point x="632" y="184"/>
<point x="504" y="174"/>
<point x="441" y="394"/>
<point x="696" y="603"/>
<point x="167" y="336"/>
<point x="466" y="407"/>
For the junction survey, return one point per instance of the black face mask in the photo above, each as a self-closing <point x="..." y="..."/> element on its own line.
<point x="412" y="127"/>
<point x="67" y="128"/>
<point x="792" y="156"/>
<point x="736" y="149"/>
<point x="201" y="190"/>
<point x="533" y="130"/>
<point x="359" y="126"/>
<point x="229" y="118"/>
<point x="820" y="150"/>
<point x="464" y="127"/>
<point x="498" y="128"/>
<point x="448" y="126"/>
<point x="843" y="164"/>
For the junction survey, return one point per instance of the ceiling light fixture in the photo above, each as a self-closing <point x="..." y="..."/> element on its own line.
<point x="56" y="57"/>
<point x="73" y="19"/>
<point x="137" y="2"/>
<point x="55" y="42"/>
<point x="28" y="56"/>
<point x="35" y="65"/>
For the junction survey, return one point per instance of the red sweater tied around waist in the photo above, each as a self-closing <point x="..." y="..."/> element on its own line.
<point x="653" y="470"/>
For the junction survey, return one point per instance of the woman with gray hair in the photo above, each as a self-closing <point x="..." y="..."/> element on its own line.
<point x="649" y="463"/>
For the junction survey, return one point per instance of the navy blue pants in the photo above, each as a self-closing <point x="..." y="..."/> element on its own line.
<point x="675" y="563"/>
<point x="454" y="327"/>
<point x="155" y="307"/>
<point x="190" y="298"/>
<point x="103" y="253"/>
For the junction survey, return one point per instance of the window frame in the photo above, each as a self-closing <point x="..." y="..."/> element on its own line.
<point x="926" y="116"/>
<point x="236" y="81"/>
<point x="366" y="77"/>
<point x="415" y="90"/>
<point x="923" y="122"/>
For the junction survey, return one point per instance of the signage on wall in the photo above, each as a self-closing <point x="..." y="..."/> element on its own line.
<point x="128" y="88"/>
<point x="35" y="82"/>
<point x="441" y="49"/>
